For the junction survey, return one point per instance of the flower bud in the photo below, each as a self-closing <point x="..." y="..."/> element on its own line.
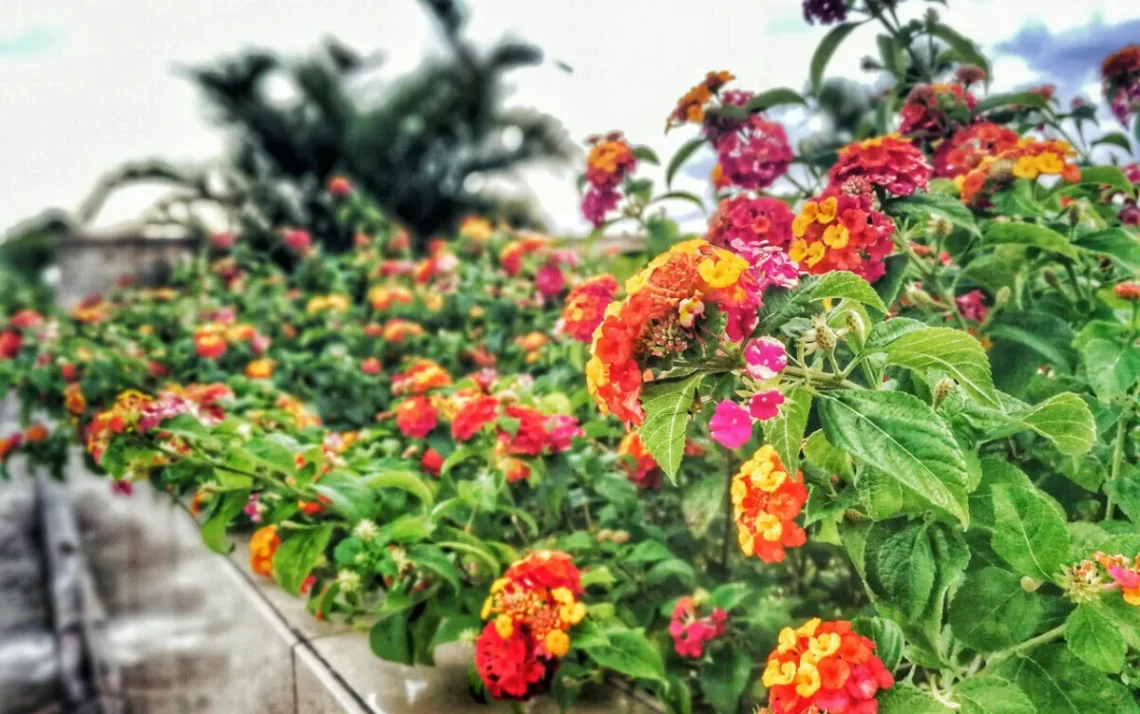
<point x="604" y="535"/>
<point x="939" y="226"/>
<point x="826" y="338"/>
<point x="620" y="537"/>
<point x="932" y="16"/>
<point x="1002" y="297"/>
<point x="943" y="389"/>
<point x="1127" y="290"/>
<point x="917" y="296"/>
<point x="855" y="323"/>
<point x="1029" y="584"/>
<point x="1051" y="279"/>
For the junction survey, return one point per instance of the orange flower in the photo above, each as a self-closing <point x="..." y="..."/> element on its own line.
<point x="1029" y="159"/>
<point x="209" y="344"/>
<point x="422" y="376"/>
<point x="476" y="228"/>
<point x="690" y="107"/>
<point x="73" y="399"/>
<point x="35" y="433"/>
<point x="1128" y="290"/>
<point x="586" y="307"/>
<point x="262" y="546"/>
<point x="766" y="499"/>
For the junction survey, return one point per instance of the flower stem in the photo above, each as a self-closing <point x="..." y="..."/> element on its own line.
<point x="822" y="378"/>
<point x="1029" y="644"/>
<point x="1117" y="459"/>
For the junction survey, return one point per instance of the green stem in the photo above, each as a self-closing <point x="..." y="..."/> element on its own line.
<point x="999" y="657"/>
<point x="821" y="378"/>
<point x="1117" y="459"/>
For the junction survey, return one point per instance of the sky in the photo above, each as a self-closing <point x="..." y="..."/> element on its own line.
<point x="87" y="85"/>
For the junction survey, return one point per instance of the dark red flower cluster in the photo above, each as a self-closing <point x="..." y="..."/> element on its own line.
<point x="826" y="12"/>
<point x="935" y="111"/>
<point x="751" y="152"/>
<point x="894" y="164"/>
<point x="1120" y="74"/>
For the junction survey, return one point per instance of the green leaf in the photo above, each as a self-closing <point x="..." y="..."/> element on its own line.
<point x="1059" y="683"/>
<point x="409" y="481"/>
<point x="900" y="565"/>
<point x="781" y="305"/>
<point x="297" y="555"/>
<point x="649" y="551"/>
<point x="888" y="286"/>
<point x="1107" y="176"/>
<point x="1047" y="335"/>
<point x="920" y="206"/>
<point x="454" y="627"/>
<point x="1125" y="491"/>
<point x="588" y="635"/>
<point x="672" y="568"/>
<point x="1116" y="243"/>
<point x="724" y="679"/>
<point x="887" y="636"/>
<point x="663" y="432"/>
<point x="826" y="49"/>
<point x="773" y="98"/>
<point x="682" y="196"/>
<point x="885" y="333"/>
<point x="703" y="502"/>
<point x="730" y="595"/>
<point x="1028" y="532"/>
<point x="683" y="154"/>
<point x="965" y="48"/>
<point x="390" y="638"/>
<point x="990" y="695"/>
<point x="1112" y="369"/>
<point x="646" y="154"/>
<point x="1017" y="100"/>
<point x="842" y="284"/>
<point x="907" y="699"/>
<point x="991" y="611"/>
<point x="186" y="425"/>
<point x="1095" y="639"/>
<point x="900" y="435"/>
<point x="891" y="55"/>
<point x="1114" y="138"/>
<point x="214" y="529"/>
<point x="954" y="352"/>
<point x="786" y="431"/>
<point x="1065" y="420"/>
<point x="598" y="575"/>
<point x="434" y="559"/>
<point x="1030" y="234"/>
<point x="630" y="653"/>
<point x="272" y="454"/>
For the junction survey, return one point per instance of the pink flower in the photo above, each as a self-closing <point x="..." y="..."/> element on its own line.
<point x="260" y="343"/>
<point x="765" y="357"/>
<point x="597" y="203"/>
<point x="253" y="508"/>
<point x="122" y="488"/>
<point x="298" y="241"/>
<point x="223" y="241"/>
<point x="731" y="426"/>
<point x="972" y="305"/>
<point x="549" y="280"/>
<point x="778" y="269"/>
<point x="1125" y="578"/>
<point x="766" y="405"/>
<point x="689" y="632"/>
<point x="560" y="430"/>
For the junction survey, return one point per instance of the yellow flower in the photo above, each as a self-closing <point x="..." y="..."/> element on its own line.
<point x="1050" y="163"/>
<point x="488" y="608"/>
<point x="807" y="680"/>
<point x="836" y="237"/>
<point x="769" y="527"/>
<point x="476" y="312"/>
<point x="504" y="626"/>
<point x="828" y="209"/>
<point x="557" y="643"/>
<point x="1026" y="168"/>
<point x="744" y="539"/>
<point x="768" y="478"/>
<point x="808" y="628"/>
<point x="776" y="674"/>
<point x="787" y="640"/>
<point x="723" y="270"/>
<point x="434" y="302"/>
<point x="825" y="645"/>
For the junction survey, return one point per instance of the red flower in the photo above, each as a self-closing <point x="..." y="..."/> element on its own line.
<point x="298" y="241"/>
<point x="10" y="343"/>
<point x="432" y="461"/>
<point x="840" y="232"/>
<point x="507" y="665"/>
<point x="473" y="415"/>
<point x="549" y="280"/>
<point x="972" y="305"/>
<point x="894" y="164"/>
<point x="934" y="111"/>
<point x="766" y="500"/>
<point x="370" y="366"/>
<point x="339" y="187"/>
<point x="689" y="632"/>
<point x="209" y="345"/>
<point x="416" y="417"/>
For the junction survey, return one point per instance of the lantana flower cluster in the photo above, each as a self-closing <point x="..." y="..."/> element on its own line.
<point x="935" y="111"/>
<point x="690" y="631"/>
<point x="1120" y="74"/>
<point x="766" y="500"/>
<point x="666" y="312"/>
<point x="838" y="231"/>
<point x="1091" y="579"/>
<point x="608" y="164"/>
<point x="586" y="307"/>
<point x="532" y="610"/>
<point x="969" y="147"/>
<point x="1029" y="158"/>
<point x="824" y="667"/>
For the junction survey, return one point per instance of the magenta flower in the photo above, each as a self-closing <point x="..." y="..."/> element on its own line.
<point x="731" y="426"/>
<point x="549" y="280"/>
<point x="298" y="241"/>
<point x="597" y="203"/>
<point x="765" y="357"/>
<point x="689" y="632"/>
<point x="766" y="405"/>
<point x="972" y="305"/>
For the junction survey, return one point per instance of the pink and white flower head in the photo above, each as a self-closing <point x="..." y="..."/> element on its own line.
<point x="549" y="280"/>
<point x="254" y="507"/>
<point x="777" y="269"/>
<point x="766" y="405"/>
<point x="260" y="343"/>
<point x="765" y="357"/>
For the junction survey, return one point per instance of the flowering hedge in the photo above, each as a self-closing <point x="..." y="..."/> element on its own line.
<point x="868" y="444"/>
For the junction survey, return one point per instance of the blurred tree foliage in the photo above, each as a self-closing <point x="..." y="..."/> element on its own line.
<point x="413" y="146"/>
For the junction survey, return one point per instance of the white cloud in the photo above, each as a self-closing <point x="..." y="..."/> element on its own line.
<point x="106" y="92"/>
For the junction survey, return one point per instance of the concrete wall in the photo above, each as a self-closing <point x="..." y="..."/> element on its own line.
<point x="92" y="265"/>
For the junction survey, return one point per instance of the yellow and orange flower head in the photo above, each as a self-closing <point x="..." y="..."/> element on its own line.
<point x="421" y="376"/>
<point x="260" y="368"/>
<point x="209" y="343"/>
<point x="825" y="667"/>
<point x="73" y="399"/>
<point x="837" y="231"/>
<point x="397" y="330"/>
<point x="1029" y="158"/>
<point x="383" y="297"/>
<point x="889" y="162"/>
<point x="690" y="107"/>
<point x="970" y="146"/>
<point x="766" y="500"/>
<point x="262" y="547"/>
<point x="662" y="316"/>
<point x="512" y="255"/>
<point x="476" y="228"/>
<point x="586" y="306"/>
